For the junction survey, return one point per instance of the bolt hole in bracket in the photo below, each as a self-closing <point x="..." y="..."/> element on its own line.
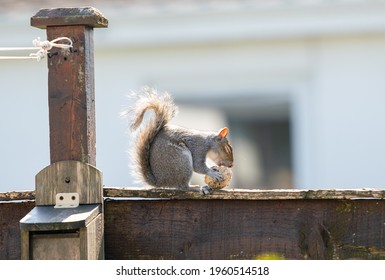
<point x="67" y="200"/>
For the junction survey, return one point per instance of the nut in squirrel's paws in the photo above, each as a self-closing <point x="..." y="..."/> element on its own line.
<point x="227" y="175"/>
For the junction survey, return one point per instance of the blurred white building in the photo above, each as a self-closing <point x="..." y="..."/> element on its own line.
<point x="299" y="83"/>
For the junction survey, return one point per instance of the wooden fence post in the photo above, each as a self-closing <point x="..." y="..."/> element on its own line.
<point x="71" y="89"/>
<point x="67" y="222"/>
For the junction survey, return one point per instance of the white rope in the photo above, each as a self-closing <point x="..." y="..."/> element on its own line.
<point x="42" y="47"/>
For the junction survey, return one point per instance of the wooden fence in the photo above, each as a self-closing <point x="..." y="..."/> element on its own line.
<point x="232" y="224"/>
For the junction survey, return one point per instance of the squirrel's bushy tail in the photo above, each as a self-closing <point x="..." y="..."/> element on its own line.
<point x="164" y="109"/>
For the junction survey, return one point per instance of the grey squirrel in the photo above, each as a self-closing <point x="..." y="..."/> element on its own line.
<point x="167" y="155"/>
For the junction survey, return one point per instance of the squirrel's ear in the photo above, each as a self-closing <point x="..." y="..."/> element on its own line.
<point x="223" y="133"/>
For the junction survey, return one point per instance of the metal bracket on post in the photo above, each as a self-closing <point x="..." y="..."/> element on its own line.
<point x="67" y="222"/>
<point x="67" y="200"/>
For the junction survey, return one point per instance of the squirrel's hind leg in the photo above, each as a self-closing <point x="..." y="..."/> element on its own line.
<point x="172" y="166"/>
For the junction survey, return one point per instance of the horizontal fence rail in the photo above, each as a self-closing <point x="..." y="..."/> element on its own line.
<point x="227" y="224"/>
<point x="243" y="194"/>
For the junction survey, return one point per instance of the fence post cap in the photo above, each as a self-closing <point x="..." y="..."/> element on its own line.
<point x="88" y="16"/>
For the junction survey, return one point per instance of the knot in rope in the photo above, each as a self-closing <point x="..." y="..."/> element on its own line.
<point x="46" y="46"/>
<point x="42" y="47"/>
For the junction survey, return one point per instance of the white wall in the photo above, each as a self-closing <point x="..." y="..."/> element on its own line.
<point x="349" y="117"/>
<point x="23" y="123"/>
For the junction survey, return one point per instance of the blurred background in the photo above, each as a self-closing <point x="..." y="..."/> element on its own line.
<point x="300" y="84"/>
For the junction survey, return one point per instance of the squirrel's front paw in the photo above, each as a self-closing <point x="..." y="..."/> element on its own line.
<point x="215" y="174"/>
<point x="205" y="190"/>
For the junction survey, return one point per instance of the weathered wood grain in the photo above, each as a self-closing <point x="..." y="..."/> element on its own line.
<point x="71" y="86"/>
<point x="71" y="96"/>
<point x="17" y="195"/>
<point x="92" y="240"/>
<point x="155" y="224"/>
<point x="245" y="194"/>
<point x="241" y="194"/>
<point x="69" y="16"/>
<point x="10" y="215"/>
<point x="71" y="100"/>
<point x="244" y="229"/>
<point x="66" y="177"/>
